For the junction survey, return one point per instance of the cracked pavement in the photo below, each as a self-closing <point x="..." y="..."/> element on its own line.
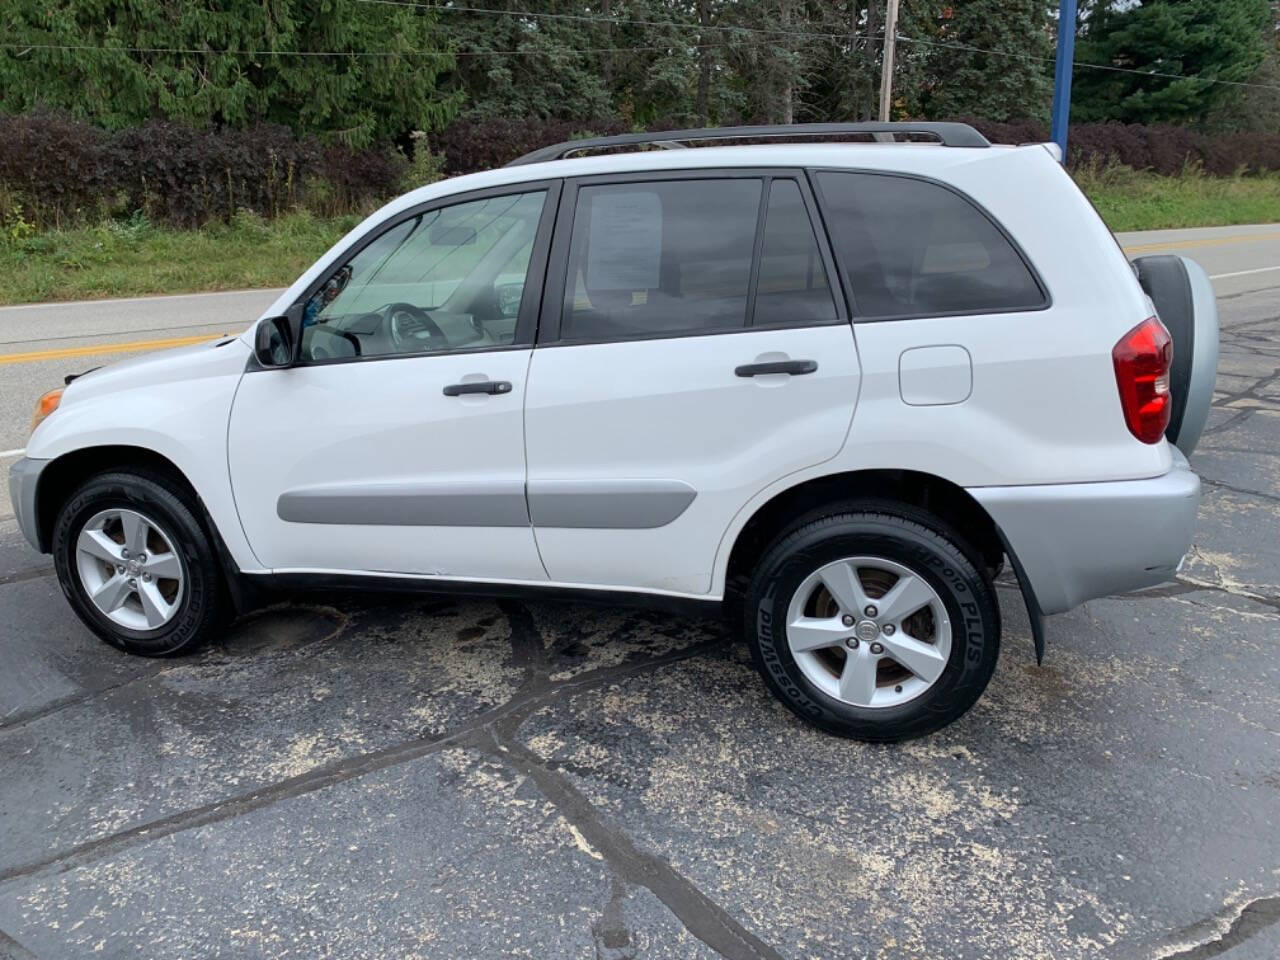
<point x="349" y="776"/>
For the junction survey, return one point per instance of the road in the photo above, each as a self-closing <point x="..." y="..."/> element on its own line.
<point x="447" y="777"/>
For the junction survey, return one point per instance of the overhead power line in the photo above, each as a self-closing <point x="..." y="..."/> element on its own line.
<point x="24" y="48"/>
<point x="1079" y="65"/>
<point x="102" y="48"/>
<point x="527" y="51"/>
<point x="602" y="19"/>
<point x="783" y="31"/>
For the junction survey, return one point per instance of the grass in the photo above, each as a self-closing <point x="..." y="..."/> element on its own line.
<point x="1135" y="200"/>
<point x="121" y="259"/>
<point x="130" y="258"/>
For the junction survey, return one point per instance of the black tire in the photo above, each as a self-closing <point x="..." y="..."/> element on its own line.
<point x="919" y="542"/>
<point x="203" y="605"/>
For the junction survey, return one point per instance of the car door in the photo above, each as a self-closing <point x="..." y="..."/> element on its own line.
<point x="691" y="352"/>
<point x="395" y="444"/>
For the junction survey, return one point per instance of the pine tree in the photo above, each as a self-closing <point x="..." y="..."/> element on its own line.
<point x="230" y="62"/>
<point x="992" y="60"/>
<point x="1173" y="47"/>
<point x="541" y="66"/>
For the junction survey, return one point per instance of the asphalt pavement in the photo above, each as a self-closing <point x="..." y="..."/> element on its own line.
<point x="370" y="776"/>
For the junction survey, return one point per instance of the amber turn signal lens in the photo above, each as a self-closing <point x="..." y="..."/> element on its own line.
<point x="45" y="406"/>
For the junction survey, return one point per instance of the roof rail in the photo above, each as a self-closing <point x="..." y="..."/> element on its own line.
<point x="947" y="134"/>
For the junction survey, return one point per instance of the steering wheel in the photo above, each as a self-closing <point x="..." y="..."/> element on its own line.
<point x="319" y="351"/>
<point x="405" y="321"/>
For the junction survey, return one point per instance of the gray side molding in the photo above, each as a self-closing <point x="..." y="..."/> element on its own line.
<point x="439" y="504"/>
<point x="608" y="504"/>
<point x="581" y="504"/>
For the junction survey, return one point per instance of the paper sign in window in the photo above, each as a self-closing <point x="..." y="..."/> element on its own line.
<point x="625" y="251"/>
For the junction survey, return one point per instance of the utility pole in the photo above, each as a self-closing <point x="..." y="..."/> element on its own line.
<point x="1062" y="73"/>
<point x="886" y="67"/>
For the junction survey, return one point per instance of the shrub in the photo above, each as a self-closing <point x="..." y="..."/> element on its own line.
<point x="425" y="166"/>
<point x="472" y="145"/>
<point x="185" y="177"/>
<point x="56" y="168"/>
<point x="1159" y="148"/>
<point x="59" y="171"/>
<point x="359" y="179"/>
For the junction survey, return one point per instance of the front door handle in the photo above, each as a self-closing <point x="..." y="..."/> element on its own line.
<point x="477" y="386"/>
<point x="793" y="367"/>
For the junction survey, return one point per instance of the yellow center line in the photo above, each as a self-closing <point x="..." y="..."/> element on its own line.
<point x="1206" y="242"/>
<point x="103" y="349"/>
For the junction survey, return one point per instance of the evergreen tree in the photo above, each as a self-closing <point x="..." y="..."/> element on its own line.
<point x="1257" y="107"/>
<point x="1174" y="47"/>
<point x="214" y="62"/>
<point x="992" y="61"/>
<point x="541" y="66"/>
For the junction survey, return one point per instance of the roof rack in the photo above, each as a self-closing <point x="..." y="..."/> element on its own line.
<point x="947" y="134"/>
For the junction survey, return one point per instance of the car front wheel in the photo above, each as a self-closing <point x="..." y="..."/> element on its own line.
<point x="137" y="566"/>
<point x="875" y="623"/>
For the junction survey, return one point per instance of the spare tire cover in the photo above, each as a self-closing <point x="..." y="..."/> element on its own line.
<point x="1186" y="305"/>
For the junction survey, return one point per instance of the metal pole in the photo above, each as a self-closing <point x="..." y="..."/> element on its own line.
<point x="1062" y="73"/>
<point x="886" y="67"/>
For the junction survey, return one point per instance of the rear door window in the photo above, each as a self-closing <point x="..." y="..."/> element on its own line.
<point x="660" y="258"/>
<point x="792" y="287"/>
<point x="911" y="248"/>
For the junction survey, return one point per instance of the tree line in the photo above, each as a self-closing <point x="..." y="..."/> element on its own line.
<point x="359" y="72"/>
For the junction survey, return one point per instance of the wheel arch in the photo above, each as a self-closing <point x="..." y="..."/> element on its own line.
<point x="64" y="473"/>
<point x="950" y="502"/>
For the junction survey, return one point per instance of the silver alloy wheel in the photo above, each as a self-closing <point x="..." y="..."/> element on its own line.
<point x="129" y="569"/>
<point x="869" y="632"/>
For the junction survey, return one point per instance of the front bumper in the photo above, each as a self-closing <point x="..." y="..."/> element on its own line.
<point x="1078" y="541"/>
<point x="24" y="477"/>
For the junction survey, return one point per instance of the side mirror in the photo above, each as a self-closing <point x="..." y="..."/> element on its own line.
<point x="276" y="339"/>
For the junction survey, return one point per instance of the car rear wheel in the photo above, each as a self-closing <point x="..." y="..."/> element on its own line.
<point x="137" y="566"/>
<point x="876" y="623"/>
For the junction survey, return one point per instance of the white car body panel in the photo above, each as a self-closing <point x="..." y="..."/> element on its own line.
<point x="175" y="403"/>
<point x="674" y="409"/>
<point x="362" y="429"/>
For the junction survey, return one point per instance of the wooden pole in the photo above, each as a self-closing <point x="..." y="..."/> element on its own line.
<point x="886" y="66"/>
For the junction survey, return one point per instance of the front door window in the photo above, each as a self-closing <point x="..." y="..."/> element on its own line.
<point x="447" y="279"/>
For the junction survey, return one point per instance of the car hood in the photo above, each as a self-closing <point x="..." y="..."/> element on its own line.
<point x="215" y="358"/>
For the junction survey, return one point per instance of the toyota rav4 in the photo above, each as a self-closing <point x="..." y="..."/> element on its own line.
<point x="825" y="387"/>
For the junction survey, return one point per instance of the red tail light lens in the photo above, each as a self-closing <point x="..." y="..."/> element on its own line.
<point x="1142" y="359"/>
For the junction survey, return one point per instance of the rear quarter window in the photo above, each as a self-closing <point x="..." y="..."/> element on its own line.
<point x="911" y="248"/>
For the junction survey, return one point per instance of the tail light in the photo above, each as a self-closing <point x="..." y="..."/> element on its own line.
<point x="1142" y="360"/>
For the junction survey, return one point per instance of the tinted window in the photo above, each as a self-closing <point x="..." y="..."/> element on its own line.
<point x="912" y="248"/>
<point x="793" y="283"/>
<point x="446" y="279"/>
<point x="666" y="257"/>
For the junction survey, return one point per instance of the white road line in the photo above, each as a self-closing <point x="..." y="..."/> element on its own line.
<point x="12" y="453"/>
<point x="1241" y="273"/>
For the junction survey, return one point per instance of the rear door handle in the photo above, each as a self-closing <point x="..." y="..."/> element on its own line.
<point x="793" y="367"/>
<point x="477" y="386"/>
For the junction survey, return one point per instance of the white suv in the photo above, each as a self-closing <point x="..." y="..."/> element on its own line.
<point x="826" y="386"/>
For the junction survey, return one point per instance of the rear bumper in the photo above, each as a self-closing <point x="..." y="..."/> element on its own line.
<point x="24" y="476"/>
<point x="1078" y="541"/>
